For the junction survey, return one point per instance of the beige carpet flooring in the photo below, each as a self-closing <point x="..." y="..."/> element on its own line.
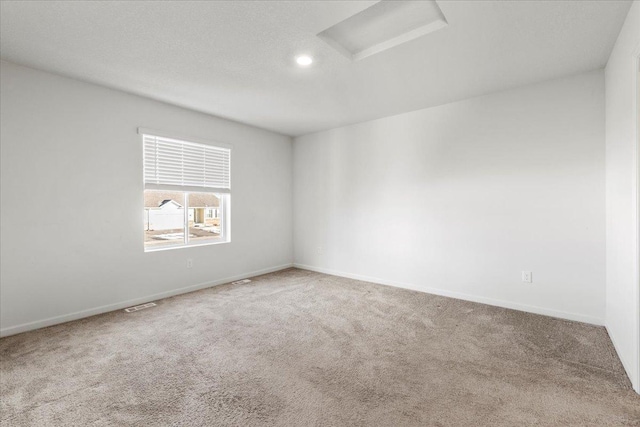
<point x="297" y="348"/>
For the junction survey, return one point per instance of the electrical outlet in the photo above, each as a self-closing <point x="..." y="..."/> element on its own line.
<point x="319" y="250"/>
<point x="527" y="277"/>
<point x="189" y="263"/>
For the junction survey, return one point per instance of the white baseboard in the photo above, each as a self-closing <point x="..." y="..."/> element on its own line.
<point x="24" y="327"/>
<point x="458" y="295"/>
<point x="625" y="363"/>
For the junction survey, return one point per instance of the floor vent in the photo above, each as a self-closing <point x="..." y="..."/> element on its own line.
<point x="140" y="307"/>
<point x="241" y="282"/>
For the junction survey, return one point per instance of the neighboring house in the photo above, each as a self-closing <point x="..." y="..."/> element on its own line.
<point x="163" y="212"/>
<point x="204" y="208"/>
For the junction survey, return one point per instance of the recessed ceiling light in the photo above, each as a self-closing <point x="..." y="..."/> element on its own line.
<point x="304" y="60"/>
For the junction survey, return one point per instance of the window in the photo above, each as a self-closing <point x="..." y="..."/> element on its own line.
<point x="187" y="192"/>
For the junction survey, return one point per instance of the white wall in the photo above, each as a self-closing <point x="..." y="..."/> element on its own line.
<point x="72" y="201"/>
<point x="459" y="199"/>
<point x="623" y="297"/>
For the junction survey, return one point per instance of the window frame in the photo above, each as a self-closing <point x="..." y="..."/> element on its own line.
<point x="224" y="208"/>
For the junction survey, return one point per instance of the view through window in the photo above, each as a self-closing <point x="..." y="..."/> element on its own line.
<point x="165" y="221"/>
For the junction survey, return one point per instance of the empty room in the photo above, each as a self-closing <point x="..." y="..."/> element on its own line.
<point x="320" y="213"/>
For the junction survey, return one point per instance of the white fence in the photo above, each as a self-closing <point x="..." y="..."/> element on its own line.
<point x="168" y="218"/>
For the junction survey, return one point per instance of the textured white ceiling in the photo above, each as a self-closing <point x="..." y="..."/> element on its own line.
<point x="235" y="59"/>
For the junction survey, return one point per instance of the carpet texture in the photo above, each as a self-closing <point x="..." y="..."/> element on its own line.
<point x="297" y="348"/>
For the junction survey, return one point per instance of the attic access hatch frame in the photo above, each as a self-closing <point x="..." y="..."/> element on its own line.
<point x="386" y="24"/>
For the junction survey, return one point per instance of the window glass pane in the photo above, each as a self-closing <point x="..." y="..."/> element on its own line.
<point x="163" y="218"/>
<point x="204" y="217"/>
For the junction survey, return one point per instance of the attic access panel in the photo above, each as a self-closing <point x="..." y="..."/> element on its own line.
<point x="382" y="26"/>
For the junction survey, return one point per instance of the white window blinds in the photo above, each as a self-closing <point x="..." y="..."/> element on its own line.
<point x="174" y="164"/>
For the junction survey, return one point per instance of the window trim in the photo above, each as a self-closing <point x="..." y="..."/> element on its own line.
<point x="224" y="194"/>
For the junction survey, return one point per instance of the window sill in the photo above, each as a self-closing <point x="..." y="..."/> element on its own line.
<point x="194" y="245"/>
